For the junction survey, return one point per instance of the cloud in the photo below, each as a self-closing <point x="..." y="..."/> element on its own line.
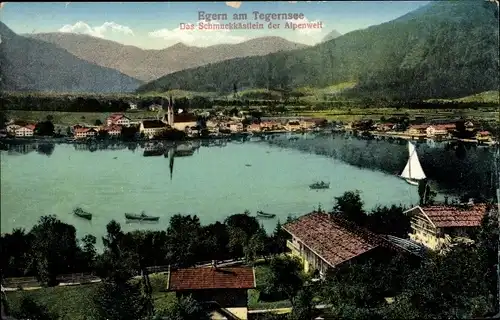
<point x="197" y="37"/>
<point x="100" y="31"/>
<point x="309" y="36"/>
<point x="307" y="31"/>
<point x="234" y="4"/>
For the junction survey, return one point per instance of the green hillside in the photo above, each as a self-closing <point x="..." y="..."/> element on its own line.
<point x="442" y="50"/>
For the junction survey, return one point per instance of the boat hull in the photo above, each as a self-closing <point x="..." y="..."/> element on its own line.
<point x="134" y="217"/>
<point x="411" y="182"/>
<point x="84" y="216"/>
<point x="265" y="215"/>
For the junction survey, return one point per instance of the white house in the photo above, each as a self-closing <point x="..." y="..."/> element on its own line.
<point x="150" y="128"/>
<point x="118" y="119"/>
<point x="436" y="130"/>
<point x="25" y="131"/>
<point x="82" y="133"/>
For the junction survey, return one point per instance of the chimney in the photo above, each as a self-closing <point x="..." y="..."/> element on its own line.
<point x="471" y="202"/>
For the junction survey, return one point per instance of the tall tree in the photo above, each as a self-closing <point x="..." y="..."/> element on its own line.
<point x="54" y="249"/>
<point x="183" y="236"/>
<point x="285" y="277"/>
<point x="350" y="207"/>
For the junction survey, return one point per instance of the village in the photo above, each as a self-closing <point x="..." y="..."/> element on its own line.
<point x="220" y="124"/>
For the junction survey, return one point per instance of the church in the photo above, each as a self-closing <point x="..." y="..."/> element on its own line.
<point x="180" y="120"/>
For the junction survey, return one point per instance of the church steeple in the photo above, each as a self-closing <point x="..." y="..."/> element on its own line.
<point x="170" y="112"/>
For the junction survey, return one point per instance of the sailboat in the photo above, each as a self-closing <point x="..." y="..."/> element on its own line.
<point x="413" y="171"/>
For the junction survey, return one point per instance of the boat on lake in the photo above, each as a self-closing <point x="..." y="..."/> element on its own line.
<point x="413" y="172"/>
<point x="265" y="215"/>
<point x="320" y="185"/>
<point x="82" y="213"/>
<point x="141" y="217"/>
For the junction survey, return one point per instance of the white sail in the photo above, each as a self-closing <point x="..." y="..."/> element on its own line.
<point x="413" y="169"/>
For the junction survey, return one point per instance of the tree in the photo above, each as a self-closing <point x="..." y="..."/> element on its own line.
<point x="116" y="264"/>
<point x="437" y="289"/>
<point x="256" y="245"/>
<point x="183" y="235"/>
<point x="88" y="251"/>
<point x="53" y="249"/>
<point x="3" y="119"/>
<point x="349" y="206"/>
<point x="102" y="134"/>
<point x="186" y="308"/>
<point x="285" y="277"/>
<point x="30" y="309"/>
<point x="16" y="250"/>
<point x="117" y="301"/>
<point x="389" y="220"/>
<point x="241" y="227"/>
<point x="278" y="239"/>
<point x="49" y="117"/>
<point x="304" y="308"/>
<point x="215" y="240"/>
<point x="44" y="128"/>
<point x="425" y="193"/>
<point x="98" y="122"/>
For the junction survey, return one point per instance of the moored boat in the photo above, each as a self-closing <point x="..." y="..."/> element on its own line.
<point x="320" y="185"/>
<point x="82" y="214"/>
<point x="141" y="217"/>
<point x="265" y="215"/>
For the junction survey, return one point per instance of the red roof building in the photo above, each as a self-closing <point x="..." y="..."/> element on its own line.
<point x="211" y="278"/>
<point x="222" y="290"/>
<point x="323" y="241"/>
<point x="431" y="225"/>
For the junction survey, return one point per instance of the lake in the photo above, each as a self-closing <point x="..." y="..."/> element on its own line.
<point x="213" y="182"/>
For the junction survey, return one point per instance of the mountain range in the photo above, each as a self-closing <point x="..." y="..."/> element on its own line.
<point x="34" y="65"/>
<point x="148" y="65"/>
<point x="443" y="49"/>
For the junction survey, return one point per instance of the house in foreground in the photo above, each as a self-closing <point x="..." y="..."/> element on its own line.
<point x="322" y="242"/>
<point x="222" y="290"/>
<point x="435" y="226"/>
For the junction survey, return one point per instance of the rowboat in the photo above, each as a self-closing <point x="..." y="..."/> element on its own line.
<point x="265" y="215"/>
<point x="320" y="185"/>
<point x="82" y="214"/>
<point x="141" y="217"/>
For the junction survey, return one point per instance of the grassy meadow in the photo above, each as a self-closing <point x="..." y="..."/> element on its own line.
<point x="73" y="302"/>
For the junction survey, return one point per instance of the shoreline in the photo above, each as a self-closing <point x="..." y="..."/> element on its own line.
<point x="66" y="140"/>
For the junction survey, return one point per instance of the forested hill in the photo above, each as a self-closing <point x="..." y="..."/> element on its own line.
<point x="442" y="50"/>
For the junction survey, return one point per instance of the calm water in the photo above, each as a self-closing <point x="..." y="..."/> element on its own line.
<point x="213" y="183"/>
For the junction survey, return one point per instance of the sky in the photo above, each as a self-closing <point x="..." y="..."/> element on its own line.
<point x="157" y="25"/>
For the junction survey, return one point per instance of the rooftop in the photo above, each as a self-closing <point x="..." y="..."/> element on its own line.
<point x="333" y="239"/>
<point x="149" y="124"/>
<point x="454" y="216"/>
<point x="211" y="278"/>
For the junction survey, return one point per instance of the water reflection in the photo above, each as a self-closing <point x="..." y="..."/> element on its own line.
<point x="455" y="165"/>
